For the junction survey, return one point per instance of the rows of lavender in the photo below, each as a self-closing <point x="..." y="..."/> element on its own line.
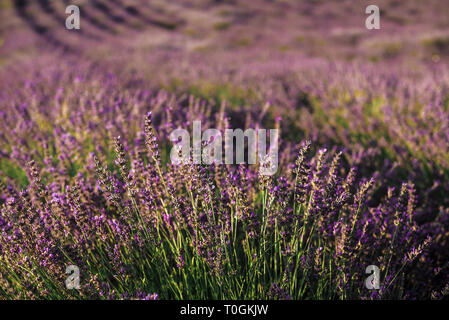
<point x="86" y="178"/>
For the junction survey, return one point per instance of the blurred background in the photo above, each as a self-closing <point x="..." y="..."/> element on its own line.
<point x="410" y="30"/>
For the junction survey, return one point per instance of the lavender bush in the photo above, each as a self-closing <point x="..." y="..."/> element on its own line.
<point x="86" y="178"/>
<point x="205" y="232"/>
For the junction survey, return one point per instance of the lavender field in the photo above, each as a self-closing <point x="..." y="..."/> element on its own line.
<point x="86" y="178"/>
